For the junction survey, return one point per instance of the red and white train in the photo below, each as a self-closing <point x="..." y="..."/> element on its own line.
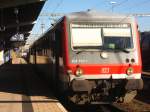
<point x="91" y="56"/>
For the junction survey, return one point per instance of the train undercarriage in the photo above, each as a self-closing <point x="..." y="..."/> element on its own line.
<point x="103" y="91"/>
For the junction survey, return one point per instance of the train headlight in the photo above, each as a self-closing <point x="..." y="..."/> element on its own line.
<point x="104" y="55"/>
<point x="130" y="71"/>
<point x="79" y="72"/>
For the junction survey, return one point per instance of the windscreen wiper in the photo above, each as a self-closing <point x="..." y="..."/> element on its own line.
<point x="123" y="50"/>
<point x="78" y="52"/>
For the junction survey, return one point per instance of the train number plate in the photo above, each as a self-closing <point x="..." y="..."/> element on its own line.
<point x="105" y="70"/>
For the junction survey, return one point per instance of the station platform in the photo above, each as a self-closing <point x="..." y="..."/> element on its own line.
<point x="21" y="90"/>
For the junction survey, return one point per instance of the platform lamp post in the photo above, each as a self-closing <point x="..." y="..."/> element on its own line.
<point x="112" y="5"/>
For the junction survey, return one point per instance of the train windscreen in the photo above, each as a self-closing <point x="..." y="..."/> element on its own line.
<point x="117" y="38"/>
<point x="101" y="36"/>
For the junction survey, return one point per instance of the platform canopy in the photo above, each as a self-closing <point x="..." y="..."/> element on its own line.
<point x="17" y="17"/>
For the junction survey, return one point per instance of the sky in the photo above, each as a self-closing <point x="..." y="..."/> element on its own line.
<point x="67" y="6"/>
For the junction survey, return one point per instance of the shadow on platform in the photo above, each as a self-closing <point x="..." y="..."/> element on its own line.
<point x="21" y="79"/>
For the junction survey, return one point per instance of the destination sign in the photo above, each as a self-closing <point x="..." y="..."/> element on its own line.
<point x="99" y="25"/>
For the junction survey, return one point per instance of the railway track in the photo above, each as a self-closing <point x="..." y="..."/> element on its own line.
<point x="95" y="108"/>
<point x="71" y="107"/>
<point x="134" y="106"/>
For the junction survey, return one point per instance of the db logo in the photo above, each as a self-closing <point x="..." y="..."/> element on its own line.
<point x="105" y="70"/>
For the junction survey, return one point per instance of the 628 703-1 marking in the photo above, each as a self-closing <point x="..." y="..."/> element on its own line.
<point x="105" y="70"/>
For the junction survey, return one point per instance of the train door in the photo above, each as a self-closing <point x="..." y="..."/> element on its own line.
<point x="58" y="54"/>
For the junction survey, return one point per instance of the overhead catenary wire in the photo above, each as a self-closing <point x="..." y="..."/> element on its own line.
<point x="119" y="4"/>
<point x="135" y="5"/>
<point x="52" y="15"/>
<point x="123" y="2"/>
<point x="58" y="5"/>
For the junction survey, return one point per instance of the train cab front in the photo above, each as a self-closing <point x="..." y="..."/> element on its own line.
<point x="100" y="84"/>
<point x="104" y="61"/>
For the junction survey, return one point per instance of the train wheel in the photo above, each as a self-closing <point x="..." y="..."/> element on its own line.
<point x="129" y="96"/>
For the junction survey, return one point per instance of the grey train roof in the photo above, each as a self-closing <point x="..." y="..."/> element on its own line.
<point x="96" y="15"/>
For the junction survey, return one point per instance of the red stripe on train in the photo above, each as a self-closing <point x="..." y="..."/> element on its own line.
<point x="104" y="69"/>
